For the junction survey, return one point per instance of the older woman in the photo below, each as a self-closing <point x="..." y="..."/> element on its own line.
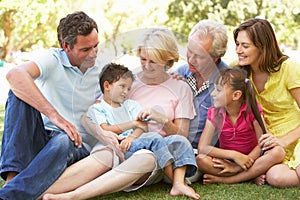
<point x="168" y="104"/>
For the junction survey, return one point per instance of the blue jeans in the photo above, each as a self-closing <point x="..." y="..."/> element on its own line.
<point x="176" y="146"/>
<point x="39" y="156"/>
<point x="154" y="142"/>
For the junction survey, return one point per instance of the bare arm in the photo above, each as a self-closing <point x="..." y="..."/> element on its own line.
<point x="126" y="143"/>
<point x="119" y="128"/>
<point x="21" y="80"/>
<point x="205" y="148"/>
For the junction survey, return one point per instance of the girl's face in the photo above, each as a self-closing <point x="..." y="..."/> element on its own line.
<point x="119" y="90"/>
<point x="222" y="95"/>
<point x="151" y="69"/>
<point x="247" y="52"/>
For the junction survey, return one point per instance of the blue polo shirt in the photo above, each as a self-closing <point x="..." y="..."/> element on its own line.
<point x="202" y="102"/>
<point x="68" y="90"/>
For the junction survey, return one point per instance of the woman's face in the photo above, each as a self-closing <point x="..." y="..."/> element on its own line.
<point x="247" y="52"/>
<point x="150" y="68"/>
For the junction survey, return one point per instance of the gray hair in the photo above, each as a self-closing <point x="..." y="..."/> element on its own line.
<point x="215" y="30"/>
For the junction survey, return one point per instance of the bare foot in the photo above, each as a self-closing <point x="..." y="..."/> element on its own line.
<point x="261" y="180"/>
<point x="64" y="196"/>
<point x="209" y="179"/>
<point x="185" y="190"/>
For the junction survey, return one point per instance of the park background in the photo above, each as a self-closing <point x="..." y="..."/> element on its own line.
<point x="30" y="25"/>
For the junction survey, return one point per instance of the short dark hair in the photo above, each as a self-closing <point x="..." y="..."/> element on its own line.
<point x="77" y="23"/>
<point x="112" y="72"/>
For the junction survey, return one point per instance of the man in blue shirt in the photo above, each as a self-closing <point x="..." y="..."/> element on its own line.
<point x="207" y="44"/>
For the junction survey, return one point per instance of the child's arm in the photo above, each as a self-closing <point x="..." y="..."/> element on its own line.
<point x="126" y="143"/>
<point x="119" y="128"/>
<point x="205" y="148"/>
<point x="255" y="153"/>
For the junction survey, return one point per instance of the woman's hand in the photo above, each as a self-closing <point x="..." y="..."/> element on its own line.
<point x="268" y="141"/>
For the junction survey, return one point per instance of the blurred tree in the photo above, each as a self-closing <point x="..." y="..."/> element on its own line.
<point x="184" y="14"/>
<point x="29" y="24"/>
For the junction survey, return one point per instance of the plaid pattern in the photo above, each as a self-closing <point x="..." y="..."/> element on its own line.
<point x="192" y="82"/>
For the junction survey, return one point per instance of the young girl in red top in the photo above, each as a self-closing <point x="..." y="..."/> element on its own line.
<point x="238" y="120"/>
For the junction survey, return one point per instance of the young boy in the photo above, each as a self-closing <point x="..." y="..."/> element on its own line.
<point x="118" y="114"/>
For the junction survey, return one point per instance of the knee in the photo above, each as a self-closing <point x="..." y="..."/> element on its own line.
<point x="277" y="153"/>
<point x="202" y="160"/>
<point x="145" y="162"/>
<point x="274" y="178"/>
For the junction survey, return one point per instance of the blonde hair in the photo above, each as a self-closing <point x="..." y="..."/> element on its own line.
<point x="160" y="45"/>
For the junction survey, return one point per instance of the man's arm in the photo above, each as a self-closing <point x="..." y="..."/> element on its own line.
<point x="21" y="80"/>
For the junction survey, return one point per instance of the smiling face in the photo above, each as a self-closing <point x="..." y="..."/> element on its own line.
<point x="117" y="92"/>
<point x="151" y="69"/>
<point x="84" y="52"/>
<point x="248" y="53"/>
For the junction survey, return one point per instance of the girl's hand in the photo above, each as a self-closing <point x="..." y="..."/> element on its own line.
<point x="268" y="141"/>
<point x="244" y="161"/>
<point x="226" y="166"/>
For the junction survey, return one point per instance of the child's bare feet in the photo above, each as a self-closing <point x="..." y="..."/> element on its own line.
<point x="261" y="180"/>
<point x="185" y="190"/>
<point x="209" y="179"/>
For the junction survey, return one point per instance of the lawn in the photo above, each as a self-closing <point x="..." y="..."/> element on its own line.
<point x="209" y="192"/>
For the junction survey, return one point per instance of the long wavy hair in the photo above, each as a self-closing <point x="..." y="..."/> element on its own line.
<point x="263" y="37"/>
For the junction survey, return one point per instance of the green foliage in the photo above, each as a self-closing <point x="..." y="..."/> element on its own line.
<point x="184" y="14"/>
<point x="29" y="24"/>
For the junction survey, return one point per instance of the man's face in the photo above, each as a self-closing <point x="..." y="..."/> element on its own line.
<point x="198" y="56"/>
<point x="84" y="53"/>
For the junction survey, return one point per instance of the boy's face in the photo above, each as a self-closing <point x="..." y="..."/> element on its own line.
<point x="119" y="90"/>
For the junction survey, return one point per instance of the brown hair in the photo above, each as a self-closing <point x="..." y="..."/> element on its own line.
<point x="112" y="72"/>
<point x="237" y="79"/>
<point x="77" y="23"/>
<point x="263" y="37"/>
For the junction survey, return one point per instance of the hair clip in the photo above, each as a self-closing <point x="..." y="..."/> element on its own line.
<point x="246" y="80"/>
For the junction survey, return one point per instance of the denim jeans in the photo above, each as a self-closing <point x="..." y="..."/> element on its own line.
<point x="174" y="148"/>
<point x="154" y="142"/>
<point x="39" y="156"/>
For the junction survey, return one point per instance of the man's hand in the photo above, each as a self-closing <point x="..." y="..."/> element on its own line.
<point x="68" y="127"/>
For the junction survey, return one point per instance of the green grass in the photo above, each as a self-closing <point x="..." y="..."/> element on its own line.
<point x="160" y="191"/>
